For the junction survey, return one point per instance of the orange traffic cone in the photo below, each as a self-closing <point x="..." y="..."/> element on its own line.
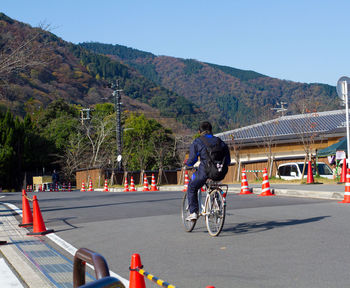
<point x="40" y="189"/>
<point x="145" y="183"/>
<point x="63" y="187"/>
<point x="186" y="182"/>
<point x="56" y="188"/>
<point x="126" y="186"/>
<point x="343" y="172"/>
<point x="27" y="218"/>
<point x="310" y="175"/>
<point x="132" y="185"/>
<point x="69" y="187"/>
<point x="244" y="184"/>
<point x="347" y="188"/>
<point x="50" y="187"/>
<point x="265" y="190"/>
<point x="83" y="187"/>
<point x="153" y="184"/>
<point x="106" y="186"/>
<point x="90" y="186"/>
<point x="38" y="223"/>
<point x="136" y="280"/>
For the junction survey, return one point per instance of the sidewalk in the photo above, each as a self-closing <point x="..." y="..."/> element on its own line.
<point x="37" y="262"/>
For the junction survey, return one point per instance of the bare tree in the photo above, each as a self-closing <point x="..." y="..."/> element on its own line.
<point x="98" y="130"/>
<point x="236" y="145"/>
<point x="24" y="50"/>
<point x="74" y="156"/>
<point x="181" y="146"/>
<point x="163" y="146"/>
<point x="269" y="132"/>
<point x="307" y="130"/>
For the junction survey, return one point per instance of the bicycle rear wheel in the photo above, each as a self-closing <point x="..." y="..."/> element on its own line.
<point x="215" y="212"/>
<point x="185" y="211"/>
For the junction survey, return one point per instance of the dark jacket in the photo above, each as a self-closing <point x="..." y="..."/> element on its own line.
<point x="197" y="150"/>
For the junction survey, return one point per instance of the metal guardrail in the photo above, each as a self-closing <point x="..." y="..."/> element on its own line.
<point x="83" y="256"/>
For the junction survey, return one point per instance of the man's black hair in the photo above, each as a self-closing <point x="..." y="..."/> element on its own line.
<point x="205" y="126"/>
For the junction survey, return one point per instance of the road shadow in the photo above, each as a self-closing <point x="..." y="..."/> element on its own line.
<point x="140" y="202"/>
<point x="260" y="226"/>
<point x="65" y="221"/>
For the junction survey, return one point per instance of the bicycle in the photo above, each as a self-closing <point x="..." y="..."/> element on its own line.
<point x="214" y="208"/>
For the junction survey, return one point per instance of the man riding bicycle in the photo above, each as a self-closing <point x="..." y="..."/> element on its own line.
<point x="198" y="148"/>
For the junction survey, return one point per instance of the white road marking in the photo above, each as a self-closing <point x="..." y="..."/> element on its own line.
<point x="68" y="247"/>
<point x="8" y="279"/>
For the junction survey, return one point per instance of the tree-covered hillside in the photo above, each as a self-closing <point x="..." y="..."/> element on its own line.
<point x="232" y="97"/>
<point x="70" y="72"/>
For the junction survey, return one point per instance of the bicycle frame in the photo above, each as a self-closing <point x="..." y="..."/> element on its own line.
<point x="201" y="205"/>
<point x="213" y="208"/>
<point x="209" y="187"/>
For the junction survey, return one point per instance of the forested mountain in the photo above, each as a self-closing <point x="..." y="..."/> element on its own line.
<point x="232" y="97"/>
<point x="62" y="70"/>
<point x="173" y="90"/>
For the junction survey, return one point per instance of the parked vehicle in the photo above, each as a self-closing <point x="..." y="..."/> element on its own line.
<point x="293" y="170"/>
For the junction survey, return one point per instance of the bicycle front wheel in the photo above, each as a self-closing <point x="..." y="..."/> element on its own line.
<point x="215" y="212"/>
<point x="185" y="212"/>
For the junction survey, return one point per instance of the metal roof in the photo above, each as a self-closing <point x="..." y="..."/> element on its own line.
<point x="288" y="126"/>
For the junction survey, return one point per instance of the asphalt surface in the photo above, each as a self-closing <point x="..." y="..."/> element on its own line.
<point x="150" y="225"/>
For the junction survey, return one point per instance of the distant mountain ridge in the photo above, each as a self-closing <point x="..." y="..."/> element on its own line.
<point x="232" y="97"/>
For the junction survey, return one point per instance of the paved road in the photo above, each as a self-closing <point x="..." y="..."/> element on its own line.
<point x="266" y="241"/>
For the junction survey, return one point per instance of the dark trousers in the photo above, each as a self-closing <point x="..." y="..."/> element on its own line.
<point x="197" y="180"/>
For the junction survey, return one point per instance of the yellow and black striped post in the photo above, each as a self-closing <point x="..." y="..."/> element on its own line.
<point x="155" y="279"/>
<point x="136" y="270"/>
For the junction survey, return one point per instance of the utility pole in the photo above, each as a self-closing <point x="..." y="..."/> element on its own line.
<point x="117" y="106"/>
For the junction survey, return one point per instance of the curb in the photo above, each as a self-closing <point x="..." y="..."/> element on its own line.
<point x="327" y="195"/>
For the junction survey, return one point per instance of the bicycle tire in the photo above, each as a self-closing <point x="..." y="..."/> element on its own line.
<point x="189" y="225"/>
<point x="215" y="212"/>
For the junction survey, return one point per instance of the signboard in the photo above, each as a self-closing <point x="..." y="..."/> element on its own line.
<point x="42" y="179"/>
<point x="340" y="155"/>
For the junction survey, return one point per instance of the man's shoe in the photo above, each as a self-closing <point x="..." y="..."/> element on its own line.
<point x="192" y="216"/>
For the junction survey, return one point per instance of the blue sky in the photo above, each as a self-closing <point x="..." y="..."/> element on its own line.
<point x="298" y="40"/>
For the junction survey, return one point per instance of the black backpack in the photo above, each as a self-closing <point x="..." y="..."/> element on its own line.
<point x="215" y="166"/>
